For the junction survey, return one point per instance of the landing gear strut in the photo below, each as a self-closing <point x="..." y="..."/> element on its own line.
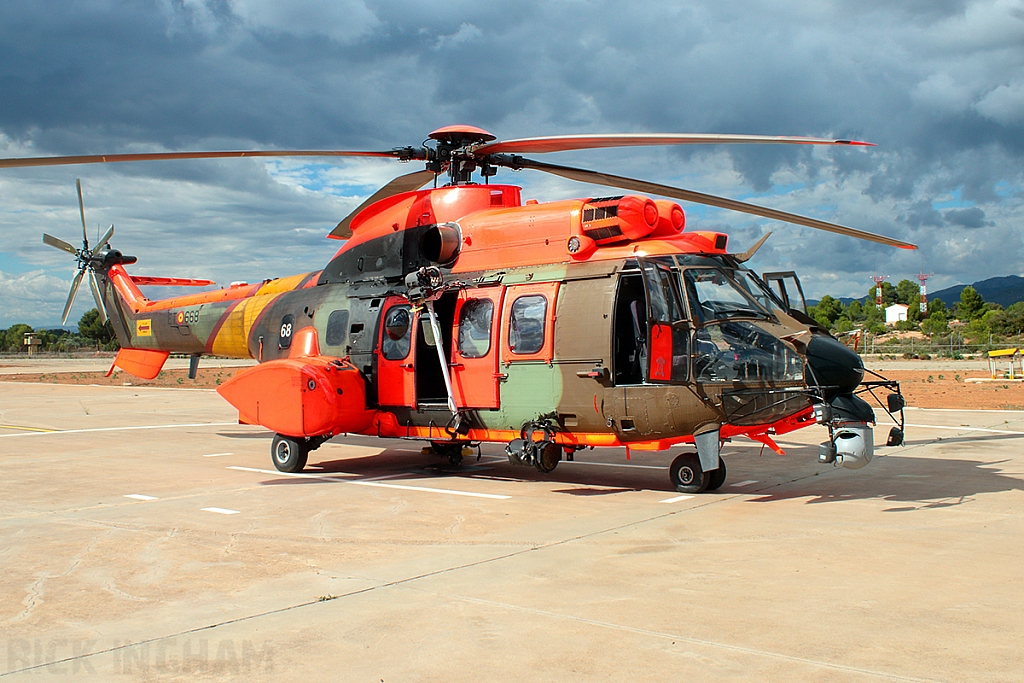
<point x="451" y="452"/>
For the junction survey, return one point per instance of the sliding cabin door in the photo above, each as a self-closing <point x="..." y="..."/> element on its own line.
<point x="396" y="354"/>
<point x="474" y="365"/>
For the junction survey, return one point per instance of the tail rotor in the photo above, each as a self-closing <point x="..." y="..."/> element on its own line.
<point x="88" y="260"/>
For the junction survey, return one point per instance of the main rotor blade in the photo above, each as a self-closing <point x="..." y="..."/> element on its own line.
<point x="71" y="296"/>
<point x="163" y="156"/>
<point x="403" y="183"/>
<point x="562" y="143"/>
<point x="95" y="287"/>
<point x="103" y="240"/>
<point x="59" y="244"/>
<point x="81" y="212"/>
<point x="585" y="176"/>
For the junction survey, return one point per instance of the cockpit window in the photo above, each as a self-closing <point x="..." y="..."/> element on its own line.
<point x="718" y="297"/>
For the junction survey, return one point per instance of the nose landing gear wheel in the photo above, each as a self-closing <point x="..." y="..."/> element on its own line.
<point x="717" y="478"/>
<point x="686" y="474"/>
<point x="289" y="454"/>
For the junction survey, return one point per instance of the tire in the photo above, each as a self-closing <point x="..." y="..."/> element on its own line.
<point x="289" y="454"/>
<point x="686" y="474"/>
<point x="717" y="478"/>
<point x="548" y="458"/>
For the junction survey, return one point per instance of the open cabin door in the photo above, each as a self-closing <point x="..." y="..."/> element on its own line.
<point x="474" y="366"/>
<point x="396" y="354"/>
<point x="668" y="349"/>
<point x="786" y="286"/>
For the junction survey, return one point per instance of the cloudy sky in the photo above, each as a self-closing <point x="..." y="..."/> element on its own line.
<point x="937" y="84"/>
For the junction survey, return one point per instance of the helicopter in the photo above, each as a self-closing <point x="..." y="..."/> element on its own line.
<point x="460" y="314"/>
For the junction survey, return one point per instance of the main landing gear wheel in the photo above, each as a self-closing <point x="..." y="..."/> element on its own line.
<point x="451" y="452"/>
<point x="548" y="458"/>
<point x="289" y="454"/>
<point x="686" y="474"/>
<point x="717" y="478"/>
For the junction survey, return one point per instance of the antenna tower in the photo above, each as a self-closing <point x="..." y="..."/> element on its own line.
<point x="923" y="278"/>
<point x="879" y="279"/>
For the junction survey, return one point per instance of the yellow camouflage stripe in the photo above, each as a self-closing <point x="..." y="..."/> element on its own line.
<point x="233" y="338"/>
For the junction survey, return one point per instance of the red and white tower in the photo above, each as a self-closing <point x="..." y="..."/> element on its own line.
<point x="879" y="279"/>
<point x="923" y="278"/>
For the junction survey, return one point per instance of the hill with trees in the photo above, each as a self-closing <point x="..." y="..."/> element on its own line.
<point x="970" y="316"/>
<point x="91" y="336"/>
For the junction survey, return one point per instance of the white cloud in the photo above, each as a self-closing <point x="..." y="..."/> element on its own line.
<point x="340" y="20"/>
<point x="1004" y="104"/>
<point x="34" y="298"/>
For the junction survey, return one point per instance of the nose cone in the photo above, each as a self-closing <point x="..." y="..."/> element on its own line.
<point x="834" y="364"/>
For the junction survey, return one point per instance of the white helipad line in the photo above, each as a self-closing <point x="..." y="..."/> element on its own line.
<point x="139" y="496"/>
<point x="614" y="464"/>
<point x="741" y="484"/>
<point x="221" y="511"/>
<point x="375" y="481"/>
<point x="302" y="475"/>
<point x="967" y="429"/>
<point x="118" y="429"/>
<point x="961" y="410"/>
<point x="215" y="455"/>
<point x="451" y="492"/>
<point x="676" y="499"/>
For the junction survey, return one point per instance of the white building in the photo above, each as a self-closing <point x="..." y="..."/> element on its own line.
<point x="896" y="313"/>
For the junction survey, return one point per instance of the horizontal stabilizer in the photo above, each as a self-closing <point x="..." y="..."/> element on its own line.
<point x="170" y="281"/>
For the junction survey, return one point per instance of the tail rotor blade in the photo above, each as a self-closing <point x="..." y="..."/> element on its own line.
<point x="95" y="287"/>
<point x="58" y="243"/>
<point x="621" y="182"/>
<point x="103" y="240"/>
<point x="81" y="211"/>
<point x="71" y="295"/>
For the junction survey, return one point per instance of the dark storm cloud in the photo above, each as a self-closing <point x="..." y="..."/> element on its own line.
<point x="939" y="85"/>
<point x="967" y="218"/>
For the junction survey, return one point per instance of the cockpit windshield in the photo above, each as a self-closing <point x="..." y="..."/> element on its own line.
<point x="757" y="289"/>
<point x="719" y="298"/>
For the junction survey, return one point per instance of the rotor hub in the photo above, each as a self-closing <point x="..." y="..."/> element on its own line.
<point x="461" y="135"/>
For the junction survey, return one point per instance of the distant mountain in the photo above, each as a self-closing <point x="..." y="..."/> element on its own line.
<point x="1001" y="290"/>
<point x="844" y="300"/>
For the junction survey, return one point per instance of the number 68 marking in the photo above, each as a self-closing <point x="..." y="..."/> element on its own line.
<point x="286" y="330"/>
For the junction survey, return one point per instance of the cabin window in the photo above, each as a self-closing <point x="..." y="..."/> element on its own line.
<point x="475" y="321"/>
<point x="337" y="325"/>
<point x="526" y="324"/>
<point x="395" y="341"/>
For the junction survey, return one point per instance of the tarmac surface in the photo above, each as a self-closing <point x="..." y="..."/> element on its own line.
<point x="144" y="535"/>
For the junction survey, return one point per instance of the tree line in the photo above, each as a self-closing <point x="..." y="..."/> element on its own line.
<point x="979" y="320"/>
<point x="91" y="335"/>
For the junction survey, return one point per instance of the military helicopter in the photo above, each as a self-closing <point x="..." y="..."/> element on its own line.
<point x="459" y="314"/>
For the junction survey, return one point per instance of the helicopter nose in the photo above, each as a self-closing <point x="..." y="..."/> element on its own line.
<point x="834" y="364"/>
